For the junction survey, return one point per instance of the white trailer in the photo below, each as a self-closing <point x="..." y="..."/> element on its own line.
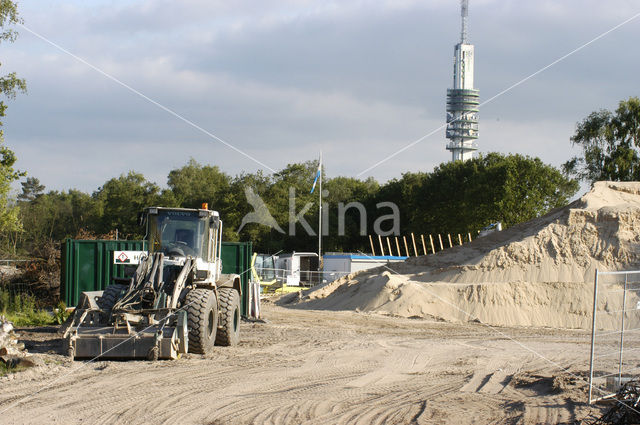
<point x="339" y="264"/>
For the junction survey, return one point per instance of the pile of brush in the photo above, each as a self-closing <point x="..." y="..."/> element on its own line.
<point x="626" y="407"/>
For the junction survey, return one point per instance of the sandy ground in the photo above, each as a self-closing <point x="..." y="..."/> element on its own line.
<point x="308" y="366"/>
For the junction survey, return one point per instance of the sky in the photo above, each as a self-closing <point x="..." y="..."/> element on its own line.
<point x="147" y="85"/>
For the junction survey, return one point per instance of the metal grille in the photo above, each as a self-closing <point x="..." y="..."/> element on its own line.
<point x="615" y="332"/>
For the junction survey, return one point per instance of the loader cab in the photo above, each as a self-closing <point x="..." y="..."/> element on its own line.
<point x="182" y="232"/>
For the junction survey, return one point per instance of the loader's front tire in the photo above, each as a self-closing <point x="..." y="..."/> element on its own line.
<point x="202" y="320"/>
<point x="229" y="331"/>
<point x="110" y="295"/>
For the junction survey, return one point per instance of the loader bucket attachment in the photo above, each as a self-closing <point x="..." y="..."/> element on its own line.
<point x="105" y="343"/>
<point x="135" y="322"/>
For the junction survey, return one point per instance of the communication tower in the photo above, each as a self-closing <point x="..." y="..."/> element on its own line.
<point x="462" y="100"/>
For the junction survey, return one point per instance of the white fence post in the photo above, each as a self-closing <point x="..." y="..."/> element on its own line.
<point x="593" y="335"/>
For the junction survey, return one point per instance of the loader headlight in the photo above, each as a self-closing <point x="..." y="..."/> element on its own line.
<point x="202" y="274"/>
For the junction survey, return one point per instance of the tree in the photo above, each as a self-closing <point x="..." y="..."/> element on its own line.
<point x="31" y="189"/>
<point x="236" y="206"/>
<point x="344" y="224"/>
<point x="53" y="216"/>
<point x="610" y="145"/>
<point x="290" y="190"/>
<point x="9" y="86"/>
<point x="194" y="184"/>
<point x="122" y="198"/>
<point x="461" y="197"/>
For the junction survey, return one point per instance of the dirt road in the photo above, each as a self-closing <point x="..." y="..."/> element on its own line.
<point x="320" y="367"/>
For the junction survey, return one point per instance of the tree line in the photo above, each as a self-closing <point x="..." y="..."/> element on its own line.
<point x="457" y="197"/>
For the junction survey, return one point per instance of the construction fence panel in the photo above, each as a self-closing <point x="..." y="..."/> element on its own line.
<point x="615" y="332"/>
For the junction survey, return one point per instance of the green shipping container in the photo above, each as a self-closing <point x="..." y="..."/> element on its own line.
<point x="87" y="265"/>
<point x="236" y="259"/>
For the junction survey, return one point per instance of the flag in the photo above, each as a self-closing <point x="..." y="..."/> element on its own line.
<point x="317" y="176"/>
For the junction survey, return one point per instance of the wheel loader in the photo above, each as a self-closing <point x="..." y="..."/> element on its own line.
<point x="175" y="301"/>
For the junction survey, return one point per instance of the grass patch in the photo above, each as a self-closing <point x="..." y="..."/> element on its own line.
<point x="5" y="370"/>
<point x="21" y="309"/>
<point x="32" y="318"/>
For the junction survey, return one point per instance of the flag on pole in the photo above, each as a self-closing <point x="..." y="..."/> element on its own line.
<point x="317" y="176"/>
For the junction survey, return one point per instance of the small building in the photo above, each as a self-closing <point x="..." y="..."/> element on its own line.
<point x="336" y="265"/>
<point x="299" y="268"/>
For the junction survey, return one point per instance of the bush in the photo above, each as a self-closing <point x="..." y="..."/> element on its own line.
<point x="21" y="309"/>
<point x="60" y="313"/>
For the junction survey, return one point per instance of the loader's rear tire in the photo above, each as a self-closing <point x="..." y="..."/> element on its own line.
<point x="202" y="320"/>
<point x="229" y="330"/>
<point x="110" y="295"/>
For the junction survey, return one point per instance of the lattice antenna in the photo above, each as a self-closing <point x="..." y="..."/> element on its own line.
<point x="464" y="13"/>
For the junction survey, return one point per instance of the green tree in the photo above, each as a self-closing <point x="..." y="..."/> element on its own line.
<point x="121" y="200"/>
<point x="461" y="197"/>
<point x="237" y="206"/>
<point x="31" y="189"/>
<point x="290" y="189"/>
<point x="9" y="220"/>
<point x="194" y="184"/>
<point x="54" y="216"/>
<point x="610" y="143"/>
<point x="345" y="225"/>
<point x="10" y="84"/>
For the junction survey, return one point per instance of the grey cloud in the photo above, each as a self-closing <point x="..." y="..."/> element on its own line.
<point x="284" y="80"/>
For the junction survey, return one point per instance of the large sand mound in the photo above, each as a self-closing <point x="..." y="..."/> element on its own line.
<point x="538" y="273"/>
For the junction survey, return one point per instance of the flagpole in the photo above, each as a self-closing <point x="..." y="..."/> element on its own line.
<point x="320" y="215"/>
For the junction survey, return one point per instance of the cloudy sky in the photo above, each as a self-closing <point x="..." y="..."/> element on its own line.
<point x="282" y="80"/>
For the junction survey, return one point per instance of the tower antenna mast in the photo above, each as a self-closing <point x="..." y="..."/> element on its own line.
<point x="464" y="5"/>
<point x="463" y="98"/>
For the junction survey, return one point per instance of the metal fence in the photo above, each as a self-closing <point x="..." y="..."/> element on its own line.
<point x="8" y="283"/>
<point x="10" y="262"/>
<point x="615" y="332"/>
<point x="308" y="278"/>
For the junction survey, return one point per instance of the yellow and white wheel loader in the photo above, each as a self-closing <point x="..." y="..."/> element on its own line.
<point x="176" y="301"/>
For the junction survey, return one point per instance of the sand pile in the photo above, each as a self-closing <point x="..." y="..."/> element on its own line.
<point x="538" y="273"/>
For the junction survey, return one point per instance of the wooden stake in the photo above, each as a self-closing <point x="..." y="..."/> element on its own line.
<point x="381" y="247"/>
<point x="440" y="239"/>
<point x="424" y="247"/>
<point x="398" y="247"/>
<point x="389" y="246"/>
<point x="469" y="234"/>
<point x="449" y="236"/>
<point x="413" y="239"/>
<point x="459" y="239"/>
<point x="373" y="251"/>
<point x="433" y="248"/>
<point x="406" y="247"/>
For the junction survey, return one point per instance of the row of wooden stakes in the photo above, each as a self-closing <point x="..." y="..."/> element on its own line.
<point x="413" y="240"/>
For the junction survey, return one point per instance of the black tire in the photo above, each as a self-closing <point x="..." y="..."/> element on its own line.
<point x="202" y="320"/>
<point x="229" y="330"/>
<point x="110" y="296"/>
